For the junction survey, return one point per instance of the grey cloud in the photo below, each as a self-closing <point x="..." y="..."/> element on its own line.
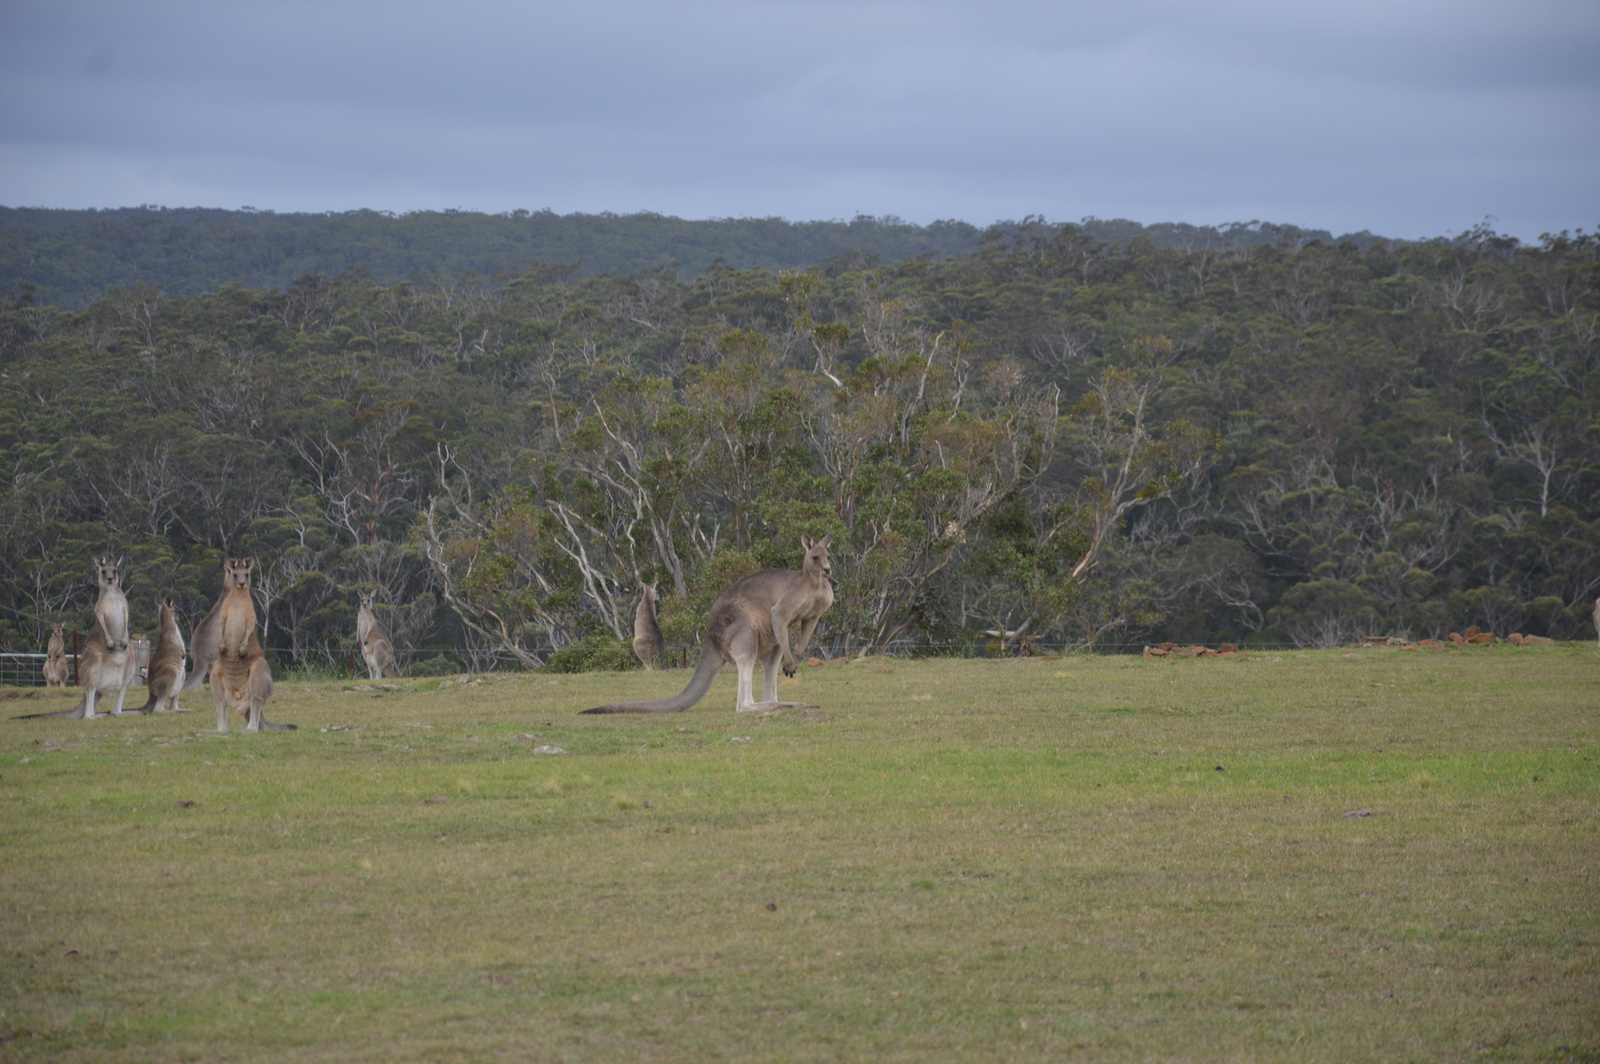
<point x="1408" y="118"/>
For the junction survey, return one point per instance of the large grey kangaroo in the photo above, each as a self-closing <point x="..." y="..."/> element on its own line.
<point x="108" y="663"/>
<point x="164" y="676"/>
<point x="240" y="676"/>
<point x="648" y="642"/>
<point x="750" y="621"/>
<point x="377" y="649"/>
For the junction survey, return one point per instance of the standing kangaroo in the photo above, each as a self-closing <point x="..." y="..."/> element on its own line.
<point x="164" y="676"/>
<point x="377" y="649"/>
<point x="240" y="676"/>
<point x="56" y="669"/>
<point x="648" y="642"/>
<point x="108" y="664"/>
<point x="750" y="621"/>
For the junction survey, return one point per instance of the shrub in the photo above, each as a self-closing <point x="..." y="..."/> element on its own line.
<point x="594" y="653"/>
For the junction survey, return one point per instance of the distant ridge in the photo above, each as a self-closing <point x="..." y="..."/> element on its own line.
<point x="68" y="258"/>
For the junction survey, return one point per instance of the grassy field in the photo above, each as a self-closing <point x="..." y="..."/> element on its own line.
<point x="1383" y="855"/>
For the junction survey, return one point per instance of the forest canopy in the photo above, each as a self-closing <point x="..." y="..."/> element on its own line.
<point x="1110" y="442"/>
<point x="67" y="258"/>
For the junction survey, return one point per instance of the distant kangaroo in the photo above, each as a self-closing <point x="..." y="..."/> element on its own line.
<point x="56" y="669"/>
<point x="108" y="664"/>
<point x="241" y="678"/>
<point x="377" y="649"/>
<point x="164" y="675"/>
<point x="750" y="621"/>
<point x="648" y="642"/>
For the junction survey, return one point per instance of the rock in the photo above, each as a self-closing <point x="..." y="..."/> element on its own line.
<point x="1480" y="639"/>
<point x="1228" y="648"/>
<point x="1155" y="652"/>
<point x="813" y="661"/>
<point x="548" y="749"/>
<point x="1187" y="652"/>
<point x="1425" y="642"/>
<point x="1515" y="639"/>
<point x="1528" y="640"/>
<point x="1470" y="632"/>
<point x="1455" y="637"/>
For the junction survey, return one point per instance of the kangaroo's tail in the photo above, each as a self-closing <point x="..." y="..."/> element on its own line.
<point x="194" y="679"/>
<point x="60" y="714"/>
<point x="699" y="684"/>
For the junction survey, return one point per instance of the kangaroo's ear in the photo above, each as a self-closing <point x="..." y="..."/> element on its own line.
<point x="805" y="541"/>
<point x="826" y="540"/>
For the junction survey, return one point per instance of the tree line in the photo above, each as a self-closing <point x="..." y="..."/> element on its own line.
<point x="1098" y="443"/>
<point x="68" y="258"/>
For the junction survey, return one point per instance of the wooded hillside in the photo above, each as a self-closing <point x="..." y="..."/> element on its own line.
<point x="1113" y="442"/>
<point x="68" y="258"/>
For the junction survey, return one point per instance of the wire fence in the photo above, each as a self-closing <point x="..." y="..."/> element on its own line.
<point x="27" y="669"/>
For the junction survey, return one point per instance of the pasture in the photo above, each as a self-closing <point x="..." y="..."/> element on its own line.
<point x="1320" y="856"/>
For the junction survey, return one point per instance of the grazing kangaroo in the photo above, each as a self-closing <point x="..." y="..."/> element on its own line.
<point x="56" y="669"/>
<point x="108" y="664"/>
<point x="377" y="649"/>
<point x="750" y="621"/>
<point x="648" y="642"/>
<point x="241" y="678"/>
<point x="164" y="675"/>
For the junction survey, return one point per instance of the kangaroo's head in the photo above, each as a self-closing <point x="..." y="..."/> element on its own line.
<point x="650" y="594"/>
<point x="366" y="599"/>
<point x="108" y="571"/>
<point x="164" y="611"/>
<point x="817" y="559"/>
<point x="58" y="631"/>
<point x="236" y="572"/>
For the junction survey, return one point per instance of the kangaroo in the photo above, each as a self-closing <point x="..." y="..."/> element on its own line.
<point x="108" y="664"/>
<point x="648" y="642"/>
<point x="377" y="649"/>
<point x="750" y="621"/>
<point x="56" y="669"/>
<point x="164" y="676"/>
<point x="207" y="638"/>
<point x="241" y="678"/>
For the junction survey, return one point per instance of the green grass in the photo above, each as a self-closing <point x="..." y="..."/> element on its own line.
<point x="1095" y="858"/>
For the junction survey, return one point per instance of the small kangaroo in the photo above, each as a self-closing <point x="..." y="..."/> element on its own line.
<point x="107" y="665"/>
<point x="648" y="642"/>
<point x="56" y="669"/>
<point x="164" y="675"/>
<point x="241" y="678"/>
<point x="750" y="621"/>
<point x="377" y="649"/>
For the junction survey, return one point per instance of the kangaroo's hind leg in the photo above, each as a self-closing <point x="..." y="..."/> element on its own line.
<point x="130" y="672"/>
<point x="219" y="695"/>
<point x="771" y="661"/>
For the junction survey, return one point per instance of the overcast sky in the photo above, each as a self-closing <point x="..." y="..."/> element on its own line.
<point x="1407" y="117"/>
